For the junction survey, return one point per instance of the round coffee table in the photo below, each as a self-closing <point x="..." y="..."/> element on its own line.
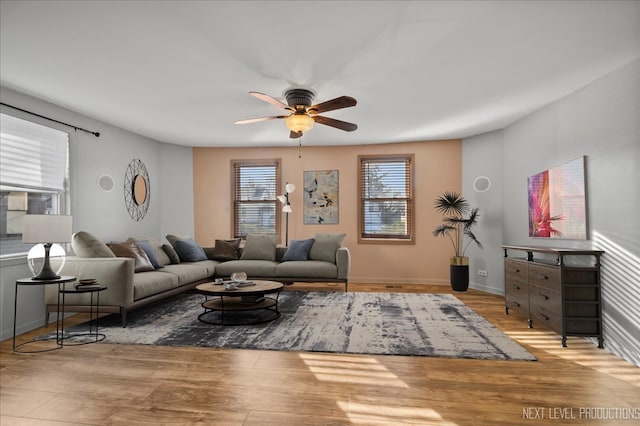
<point x="240" y="306"/>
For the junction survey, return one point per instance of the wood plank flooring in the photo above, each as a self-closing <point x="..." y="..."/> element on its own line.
<point x="109" y="384"/>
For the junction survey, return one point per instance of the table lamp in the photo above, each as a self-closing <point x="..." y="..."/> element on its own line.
<point x="46" y="229"/>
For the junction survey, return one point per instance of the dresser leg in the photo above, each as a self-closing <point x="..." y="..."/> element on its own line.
<point x="506" y="310"/>
<point x="564" y="341"/>
<point x="530" y="323"/>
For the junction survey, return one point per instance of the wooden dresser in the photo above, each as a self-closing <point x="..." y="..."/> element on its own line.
<point x="556" y="287"/>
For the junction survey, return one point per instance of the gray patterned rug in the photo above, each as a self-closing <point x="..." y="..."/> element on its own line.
<point x="437" y="325"/>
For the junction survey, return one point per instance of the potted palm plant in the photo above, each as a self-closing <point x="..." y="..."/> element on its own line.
<point x="459" y="219"/>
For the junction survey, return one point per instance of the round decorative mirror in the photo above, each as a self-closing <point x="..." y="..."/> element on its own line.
<point x="137" y="190"/>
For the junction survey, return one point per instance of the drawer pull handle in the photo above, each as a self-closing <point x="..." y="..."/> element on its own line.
<point x="544" y="316"/>
<point x="517" y="287"/>
<point x="543" y="277"/>
<point x="517" y="304"/>
<point x="517" y="270"/>
<point x="545" y="296"/>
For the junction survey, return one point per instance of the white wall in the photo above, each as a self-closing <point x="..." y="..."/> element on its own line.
<point x="103" y="213"/>
<point x="600" y="121"/>
<point x="482" y="156"/>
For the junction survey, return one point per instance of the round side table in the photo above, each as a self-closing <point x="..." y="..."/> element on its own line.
<point x="92" y="335"/>
<point x="60" y="315"/>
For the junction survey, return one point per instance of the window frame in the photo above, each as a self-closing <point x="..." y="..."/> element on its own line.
<point x="364" y="238"/>
<point x="236" y="165"/>
<point x="55" y="200"/>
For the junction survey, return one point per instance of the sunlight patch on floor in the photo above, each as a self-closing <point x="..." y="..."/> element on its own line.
<point x="582" y="352"/>
<point x="353" y="369"/>
<point x="361" y="413"/>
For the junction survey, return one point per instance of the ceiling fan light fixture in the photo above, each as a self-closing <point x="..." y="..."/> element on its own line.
<point x="299" y="123"/>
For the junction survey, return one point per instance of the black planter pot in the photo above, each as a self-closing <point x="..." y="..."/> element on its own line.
<point x="459" y="277"/>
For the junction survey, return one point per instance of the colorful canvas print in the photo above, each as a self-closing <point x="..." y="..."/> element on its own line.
<point x="557" y="207"/>
<point x="321" y="197"/>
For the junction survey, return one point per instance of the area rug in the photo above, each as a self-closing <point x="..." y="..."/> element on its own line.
<point x="435" y="325"/>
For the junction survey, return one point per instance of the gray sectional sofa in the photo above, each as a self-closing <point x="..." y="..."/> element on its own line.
<point x="137" y="272"/>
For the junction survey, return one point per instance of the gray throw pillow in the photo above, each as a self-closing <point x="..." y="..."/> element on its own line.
<point x="130" y="249"/>
<point x="190" y="251"/>
<point x="171" y="254"/>
<point x="325" y="246"/>
<point x="173" y="238"/>
<point x="298" y="250"/>
<point x="260" y="247"/>
<point x="86" y="245"/>
<point x="225" y="250"/>
<point x="145" y="245"/>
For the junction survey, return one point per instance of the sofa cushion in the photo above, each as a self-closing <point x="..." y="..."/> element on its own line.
<point x="253" y="268"/>
<point x="189" y="251"/>
<point x="325" y="246"/>
<point x="86" y="245"/>
<point x="307" y="269"/>
<point x="130" y="249"/>
<point x="225" y="250"/>
<point x="260" y="247"/>
<point x="148" y="249"/>
<point x="190" y="272"/>
<point x="171" y="254"/>
<point x="298" y="250"/>
<point x="147" y="284"/>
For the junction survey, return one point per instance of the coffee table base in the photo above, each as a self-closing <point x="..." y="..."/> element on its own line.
<point x="226" y="307"/>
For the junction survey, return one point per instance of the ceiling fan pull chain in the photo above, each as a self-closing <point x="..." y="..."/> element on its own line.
<point x="300" y="147"/>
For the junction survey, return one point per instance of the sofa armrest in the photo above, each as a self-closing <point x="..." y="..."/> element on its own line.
<point x="343" y="261"/>
<point x="114" y="272"/>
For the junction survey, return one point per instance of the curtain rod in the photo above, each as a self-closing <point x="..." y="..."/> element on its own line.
<point x="76" y="128"/>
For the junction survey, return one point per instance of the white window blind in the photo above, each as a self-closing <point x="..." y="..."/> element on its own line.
<point x="386" y="198"/>
<point x="32" y="156"/>
<point x="255" y="206"/>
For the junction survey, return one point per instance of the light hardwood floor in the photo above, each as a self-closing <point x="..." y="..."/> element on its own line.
<point x="109" y="384"/>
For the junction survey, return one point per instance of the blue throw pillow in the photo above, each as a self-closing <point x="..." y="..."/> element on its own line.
<point x="151" y="253"/>
<point x="190" y="251"/>
<point x="298" y="250"/>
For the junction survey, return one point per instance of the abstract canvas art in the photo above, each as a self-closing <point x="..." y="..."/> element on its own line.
<point x="557" y="207"/>
<point x="321" y="197"/>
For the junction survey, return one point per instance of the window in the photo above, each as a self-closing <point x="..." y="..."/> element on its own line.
<point x="386" y="207"/>
<point x="255" y="206"/>
<point x="34" y="177"/>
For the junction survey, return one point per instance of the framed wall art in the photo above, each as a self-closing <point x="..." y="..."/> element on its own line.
<point x="557" y="202"/>
<point x="321" y="197"/>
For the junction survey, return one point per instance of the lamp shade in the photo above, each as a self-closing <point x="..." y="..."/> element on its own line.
<point x="289" y="188"/>
<point x="299" y="122"/>
<point x="46" y="228"/>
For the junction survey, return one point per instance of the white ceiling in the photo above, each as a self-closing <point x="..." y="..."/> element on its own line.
<point x="180" y="71"/>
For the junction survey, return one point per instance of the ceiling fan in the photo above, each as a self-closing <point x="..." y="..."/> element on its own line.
<point x="302" y="113"/>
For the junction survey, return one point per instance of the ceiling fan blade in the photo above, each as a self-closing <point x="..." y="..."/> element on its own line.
<point x="338" y="124"/>
<point x="269" y="99"/>
<point x="256" y="120"/>
<point x="337" y="103"/>
<point x="295" y="135"/>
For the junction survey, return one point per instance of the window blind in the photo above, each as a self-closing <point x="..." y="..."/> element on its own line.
<point x="386" y="197"/>
<point x="255" y="206"/>
<point x="32" y="156"/>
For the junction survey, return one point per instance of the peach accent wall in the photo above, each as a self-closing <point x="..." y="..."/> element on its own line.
<point x="438" y="167"/>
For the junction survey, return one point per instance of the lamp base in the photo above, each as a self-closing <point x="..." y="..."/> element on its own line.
<point x="46" y="273"/>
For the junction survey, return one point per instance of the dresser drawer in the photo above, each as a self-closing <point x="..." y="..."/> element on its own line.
<point x="545" y="307"/>
<point x="544" y="276"/>
<point x="517" y="296"/>
<point x="516" y="270"/>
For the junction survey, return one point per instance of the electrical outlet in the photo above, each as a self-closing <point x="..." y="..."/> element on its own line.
<point x="482" y="272"/>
